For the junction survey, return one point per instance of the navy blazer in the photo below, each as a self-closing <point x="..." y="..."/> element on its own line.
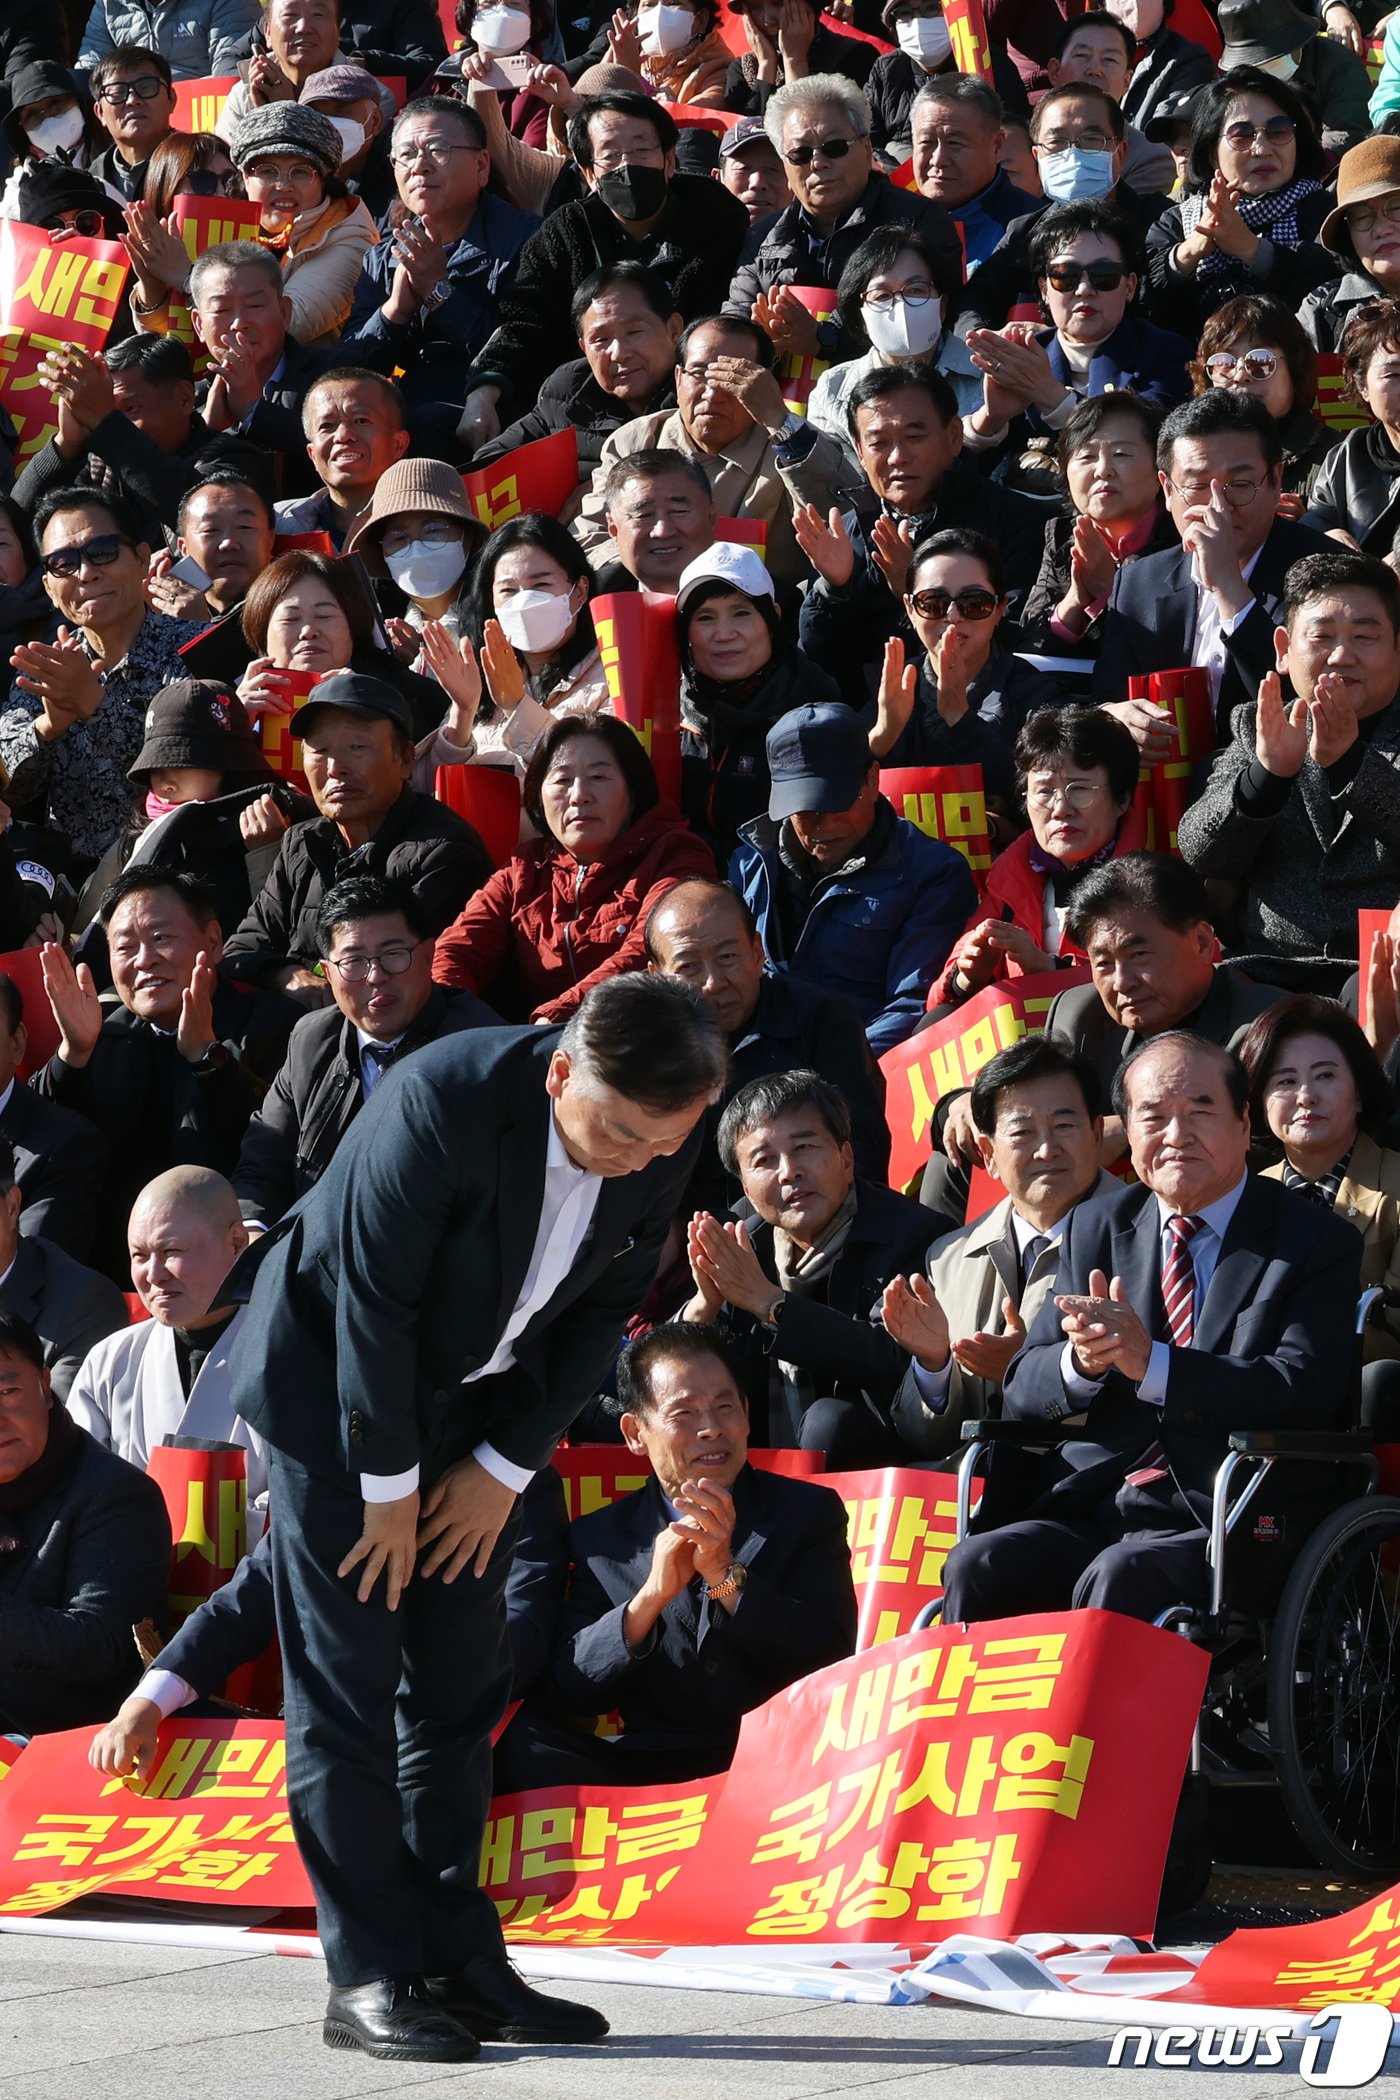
<point x="393" y="1279"/>
<point x="1274" y="1347"/>
<point x="1149" y="360"/>
<point x="1150" y="623"/>
<point x="701" y="1668"/>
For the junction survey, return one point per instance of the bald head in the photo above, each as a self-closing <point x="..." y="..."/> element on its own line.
<point x="184" y="1236"/>
<point x="701" y="933"/>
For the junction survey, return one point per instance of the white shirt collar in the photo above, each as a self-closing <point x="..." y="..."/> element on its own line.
<point x="1216" y="1215"/>
<point x="373" y="1042"/>
<point x="1024" y="1232"/>
<point x="557" y="1163"/>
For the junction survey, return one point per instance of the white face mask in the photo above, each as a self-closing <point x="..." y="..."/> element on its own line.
<point x="903" y="330"/>
<point x="924" y="38"/>
<point x="500" y="30"/>
<point x="423" y="570"/>
<point x="1281" y="68"/>
<point x="352" y="136"/>
<point x="535" y="620"/>
<point x="58" y="134"/>
<point x="667" y="29"/>
<point x="1074" y="173"/>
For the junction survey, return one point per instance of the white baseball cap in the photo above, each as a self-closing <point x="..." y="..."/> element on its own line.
<point x="728" y="562"/>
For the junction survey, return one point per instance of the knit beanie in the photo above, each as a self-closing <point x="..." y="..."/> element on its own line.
<point x="286" y="127"/>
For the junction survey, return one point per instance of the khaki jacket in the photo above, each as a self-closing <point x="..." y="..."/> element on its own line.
<point x="743" y="478"/>
<point x="1370" y="1198"/>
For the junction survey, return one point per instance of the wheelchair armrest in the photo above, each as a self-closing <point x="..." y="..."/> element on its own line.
<point x="1331" y="1447"/>
<point x="1018" y="1432"/>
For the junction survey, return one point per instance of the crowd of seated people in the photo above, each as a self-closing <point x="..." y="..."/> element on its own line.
<point x="918" y="421"/>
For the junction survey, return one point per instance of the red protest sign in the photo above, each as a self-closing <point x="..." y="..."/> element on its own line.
<point x="636" y="633"/>
<point x="51" y="292"/>
<point x="206" y="1499"/>
<point x="210" y="1825"/>
<point x="1352" y="1959"/>
<point x="578" y="1865"/>
<point x="949" y="803"/>
<point x="745" y="532"/>
<point x="799" y="374"/>
<point x="1186" y="694"/>
<point x="538" y="476"/>
<point x="942" y="1059"/>
<point x="903" y="176"/>
<point x="489" y="798"/>
<point x="199" y="104"/>
<point x="972" y="47"/>
<point x="280" y="748"/>
<point x="596" y="1475"/>
<point x="902" y="1527"/>
<point x="694" y="116"/>
<point x="9" y="1755"/>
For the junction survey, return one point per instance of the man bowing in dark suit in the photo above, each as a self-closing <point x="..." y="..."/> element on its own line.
<point x="423" y="1327"/>
<point x="1215" y="601"/>
<point x="1203" y="1301"/>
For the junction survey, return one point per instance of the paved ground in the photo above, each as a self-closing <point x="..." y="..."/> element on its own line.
<point x="87" y="2021"/>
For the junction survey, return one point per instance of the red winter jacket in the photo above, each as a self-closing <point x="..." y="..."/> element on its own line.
<point x="546" y="927"/>
<point x="1016" y="893"/>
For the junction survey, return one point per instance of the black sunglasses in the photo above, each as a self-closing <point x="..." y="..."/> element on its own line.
<point x="1067" y="277"/>
<point x="89" y="224"/>
<point x="99" y="553"/>
<point x="971" y="604"/>
<point x="829" y="149"/>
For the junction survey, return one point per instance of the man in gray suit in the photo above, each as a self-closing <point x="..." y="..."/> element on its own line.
<point x="68" y="1306"/>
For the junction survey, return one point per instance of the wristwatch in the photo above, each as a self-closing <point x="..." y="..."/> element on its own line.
<point x="438" y="296"/>
<point x="774" y="1312"/>
<point x="735" y="1576"/>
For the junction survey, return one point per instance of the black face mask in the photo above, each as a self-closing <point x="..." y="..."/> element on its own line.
<point x="633" y="192"/>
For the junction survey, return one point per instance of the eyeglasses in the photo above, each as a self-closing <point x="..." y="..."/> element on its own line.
<point x="89" y="224"/>
<point x="300" y="174"/>
<point x="1362" y="217"/>
<point x="918" y="292"/>
<point x="441" y="532"/>
<point x="436" y="152"/>
<point x="1255" y="364"/>
<point x="829" y="149"/>
<point x="1067" y="277"/>
<point x="97" y="553"/>
<point x="390" y="962"/>
<point x="1077" y="793"/>
<point x="1090" y="141"/>
<point x="118" y="91"/>
<point x="970" y="604"/>
<point x="1236" y="493"/>
<point x="1276" y="132"/>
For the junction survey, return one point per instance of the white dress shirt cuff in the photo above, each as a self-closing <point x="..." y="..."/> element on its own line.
<point x="388" y="1487"/>
<point x="165" y="1690"/>
<point x="1076" y="1385"/>
<point x="932" y="1386"/>
<point x="1237" y="619"/>
<point x="512" y="1476"/>
<point x="1153" y="1385"/>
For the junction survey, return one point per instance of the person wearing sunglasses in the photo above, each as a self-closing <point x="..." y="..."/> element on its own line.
<point x="1297" y="44"/>
<point x="72" y="724"/>
<point x="67" y="202"/>
<point x="821" y="127"/>
<point x="189" y="164"/>
<point x="1087" y="263"/>
<point x="1253" y="209"/>
<point x="1257" y="345"/>
<point x="1363" y="232"/>
<point x="1356" y="497"/>
<point x="135" y="104"/>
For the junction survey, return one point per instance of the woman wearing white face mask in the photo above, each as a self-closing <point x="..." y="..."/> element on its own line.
<point x="923" y="52"/>
<point x="498" y="31"/>
<point x="896" y="293"/>
<point x="684" y="57"/>
<point x="49" y="120"/>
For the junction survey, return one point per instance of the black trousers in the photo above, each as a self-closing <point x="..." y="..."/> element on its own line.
<point x="389" y="1718"/>
<point x="536" y="1751"/>
<point x="1052" y="1564"/>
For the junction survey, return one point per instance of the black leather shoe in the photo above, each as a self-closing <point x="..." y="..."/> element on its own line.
<point x="497" y="2004"/>
<point x="396" y="2019"/>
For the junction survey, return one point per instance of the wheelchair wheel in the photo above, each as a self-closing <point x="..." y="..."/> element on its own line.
<point x="1334" y="1690"/>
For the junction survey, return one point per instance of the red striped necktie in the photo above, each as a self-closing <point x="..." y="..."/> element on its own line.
<point x="1179" y="1280"/>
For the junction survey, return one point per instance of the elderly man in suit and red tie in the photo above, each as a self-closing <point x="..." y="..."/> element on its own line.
<point x="1198" y="1302"/>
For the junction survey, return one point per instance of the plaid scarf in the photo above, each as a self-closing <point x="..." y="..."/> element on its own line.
<point x="1324" y="1189"/>
<point x="1273" y="217"/>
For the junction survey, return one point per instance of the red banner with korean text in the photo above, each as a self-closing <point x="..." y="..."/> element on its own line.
<point x="204" y="222"/>
<point x="972" y="47"/>
<point x="902" y="1527"/>
<point x="798" y="374"/>
<point x="206" y="1499"/>
<point x="199" y="104"/>
<point x="942" y="1059"/>
<point x="538" y="476"/>
<point x="1166" y="790"/>
<point x="1351" y="1959"/>
<point x="51" y="292"/>
<point x="949" y="803"/>
<point x="1334" y="405"/>
<point x="636" y="633"/>
<point x="597" y="1475"/>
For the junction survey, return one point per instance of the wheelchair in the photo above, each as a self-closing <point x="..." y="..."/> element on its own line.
<point x="1302" y="1626"/>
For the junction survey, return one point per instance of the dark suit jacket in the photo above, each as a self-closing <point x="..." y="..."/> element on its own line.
<point x="834" y="1334"/>
<point x="319" y="1092"/>
<point x="93" y="1560"/>
<point x="60" y="1159"/>
<point x="1274" y="1347"/>
<point x="392" y="1280"/>
<point x="1079" y="1019"/>
<point x="69" y="1307"/>
<point x="700" y="1669"/>
<point x="1150" y="624"/>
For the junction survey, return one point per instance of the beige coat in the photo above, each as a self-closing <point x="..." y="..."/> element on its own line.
<point x="744" y="479"/>
<point x="321" y="265"/>
<point x="973" y="1270"/>
<point x="1370" y="1197"/>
